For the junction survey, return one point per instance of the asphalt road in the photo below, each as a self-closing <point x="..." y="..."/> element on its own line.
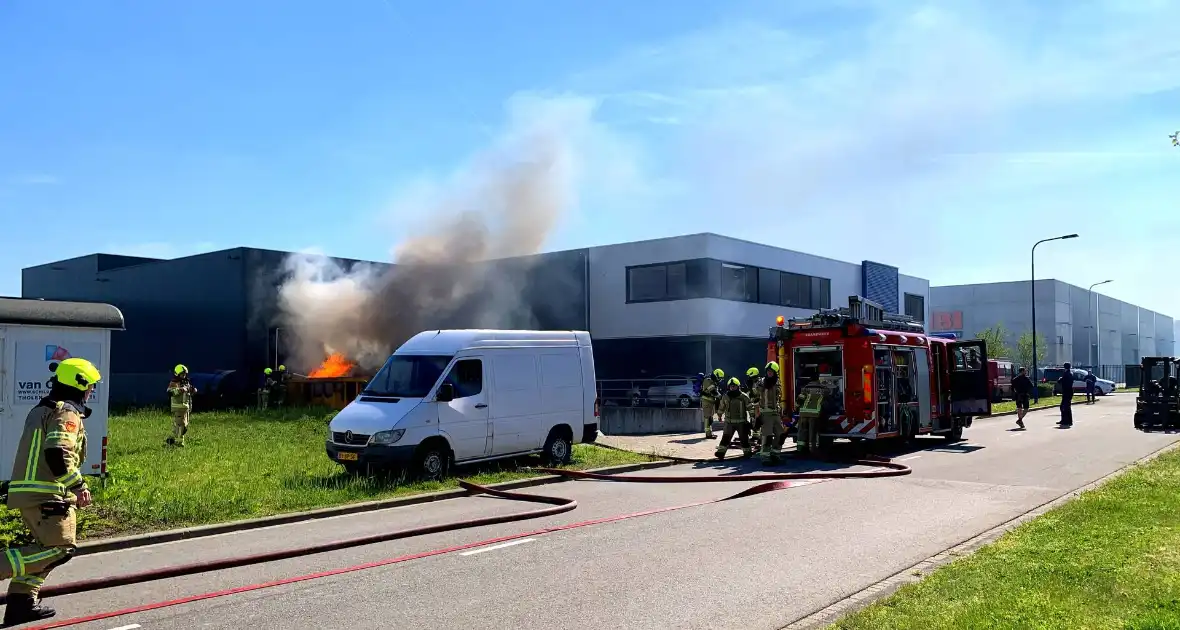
<point x="757" y="562"/>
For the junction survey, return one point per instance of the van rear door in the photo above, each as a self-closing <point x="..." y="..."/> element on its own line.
<point x="970" y="387"/>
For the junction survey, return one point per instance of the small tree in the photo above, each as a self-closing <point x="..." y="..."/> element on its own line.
<point x="996" y="338"/>
<point x="1024" y="351"/>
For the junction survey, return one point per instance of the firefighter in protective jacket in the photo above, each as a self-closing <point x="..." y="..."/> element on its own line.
<point x="735" y="405"/>
<point x="769" y="414"/>
<point x="180" y="392"/>
<point x="754" y="390"/>
<point x="268" y="383"/>
<point x="47" y="487"/>
<point x="709" y="392"/>
<point x="812" y="400"/>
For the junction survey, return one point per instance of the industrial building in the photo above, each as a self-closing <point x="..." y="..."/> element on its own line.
<point x="1080" y="326"/>
<point x="671" y="306"/>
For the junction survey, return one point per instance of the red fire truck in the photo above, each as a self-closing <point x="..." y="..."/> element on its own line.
<point x="891" y="379"/>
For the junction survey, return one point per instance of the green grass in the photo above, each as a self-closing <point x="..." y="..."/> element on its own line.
<point x="1108" y="559"/>
<point x="239" y="465"/>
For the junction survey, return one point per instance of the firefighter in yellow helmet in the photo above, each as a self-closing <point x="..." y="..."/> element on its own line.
<point x="268" y="383"/>
<point x="754" y="391"/>
<point x="280" y="386"/>
<point x="47" y="487"/>
<point x="710" y="389"/>
<point x="812" y="401"/>
<point x="180" y="391"/>
<point x="735" y="405"/>
<point x="770" y="415"/>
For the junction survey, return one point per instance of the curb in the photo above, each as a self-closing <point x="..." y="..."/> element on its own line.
<point x="202" y="531"/>
<point x="916" y="573"/>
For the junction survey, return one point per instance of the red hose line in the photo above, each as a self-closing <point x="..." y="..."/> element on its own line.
<point x="775" y="481"/>
<point x="894" y="470"/>
<point x="559" y="504"/>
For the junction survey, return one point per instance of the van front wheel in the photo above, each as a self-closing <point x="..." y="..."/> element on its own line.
<point x="559" y="448"/>
<point x="432" y="461"/>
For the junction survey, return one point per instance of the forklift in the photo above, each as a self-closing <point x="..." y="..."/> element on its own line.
<point x="1158" y="404"/>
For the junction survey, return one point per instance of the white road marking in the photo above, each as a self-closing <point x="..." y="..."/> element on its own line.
<point x="906" y="459"/>
<point x="130" y="627"/>
<point x="499" y="546"/>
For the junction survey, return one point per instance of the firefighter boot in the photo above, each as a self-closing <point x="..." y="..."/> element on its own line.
<point x="23" y="608"/>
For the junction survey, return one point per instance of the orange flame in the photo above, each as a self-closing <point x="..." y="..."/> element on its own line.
<point x="333" y="367"/>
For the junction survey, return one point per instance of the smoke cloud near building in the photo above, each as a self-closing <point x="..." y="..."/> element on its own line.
<point x="506" y="203"/>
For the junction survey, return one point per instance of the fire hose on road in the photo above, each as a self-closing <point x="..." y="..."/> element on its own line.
<point x="555" y="505"/>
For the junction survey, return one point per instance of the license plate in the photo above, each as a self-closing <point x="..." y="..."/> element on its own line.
<point x="346" y="457"/>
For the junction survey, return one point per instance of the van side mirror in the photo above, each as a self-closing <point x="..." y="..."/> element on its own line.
<point x="446" y="393"/>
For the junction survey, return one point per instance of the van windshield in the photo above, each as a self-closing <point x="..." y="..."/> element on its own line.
<point x="407" y="376"/>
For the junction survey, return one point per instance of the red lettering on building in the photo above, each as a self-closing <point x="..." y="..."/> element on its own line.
<point x="947" y="321"/>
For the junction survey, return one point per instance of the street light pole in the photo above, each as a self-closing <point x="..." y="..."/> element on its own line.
<point x="1033" y="290"/>
<point x="1094" y="327"/>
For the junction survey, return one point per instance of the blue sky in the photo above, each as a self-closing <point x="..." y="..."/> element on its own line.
<point x="941" y="137"/>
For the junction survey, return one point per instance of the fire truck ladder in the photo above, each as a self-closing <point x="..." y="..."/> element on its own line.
<point x="860" y="310"/>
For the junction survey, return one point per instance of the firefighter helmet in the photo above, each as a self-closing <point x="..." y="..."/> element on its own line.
<point x="734" y="382"/>
<point x="752" y="372"/>
<point x="77" y="373"/>
<point x="719" y="373"/>
<point x="772" y="366"/>
<point x="179" y="369"/>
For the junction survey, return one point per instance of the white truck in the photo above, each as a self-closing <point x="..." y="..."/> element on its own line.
<point x="35" y="335"/>
<point x="462" y="396"/>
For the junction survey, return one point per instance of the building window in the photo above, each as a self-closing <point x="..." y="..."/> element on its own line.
<point x="770" y="288"/>
<point x="647" y="283"/>
<point x="703" y="278"/>
<point x="739" y="283"/>
<point x="915" y="306"/>
<point x="796" y="290"/>
<point x="821" y="293"/>
<point x="677" y="281"/>
<point x="708" y="278"/>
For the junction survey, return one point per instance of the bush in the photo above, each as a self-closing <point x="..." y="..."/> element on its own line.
<point x="1044" y="390"/>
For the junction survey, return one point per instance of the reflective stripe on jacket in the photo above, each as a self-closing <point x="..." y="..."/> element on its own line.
<point x="48" y="425"/>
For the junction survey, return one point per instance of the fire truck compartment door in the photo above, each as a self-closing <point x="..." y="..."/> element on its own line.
<point x="970" y="393"/>
<point x="922" y="366"/>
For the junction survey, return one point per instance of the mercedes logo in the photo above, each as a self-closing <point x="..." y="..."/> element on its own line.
<point x="348" y="437"/>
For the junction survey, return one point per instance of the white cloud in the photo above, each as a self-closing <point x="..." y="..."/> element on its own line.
<point x="908" y="118"/>
<point x="921" y="117"/>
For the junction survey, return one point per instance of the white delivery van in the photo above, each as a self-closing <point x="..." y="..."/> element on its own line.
<point x="463" y="396"/>
<point x="35" y="335"/>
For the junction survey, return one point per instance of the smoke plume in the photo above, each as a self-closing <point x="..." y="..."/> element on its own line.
<point x="506" y="203"/>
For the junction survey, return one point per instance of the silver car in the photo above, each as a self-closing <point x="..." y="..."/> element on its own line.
<point x="673" y="391"/>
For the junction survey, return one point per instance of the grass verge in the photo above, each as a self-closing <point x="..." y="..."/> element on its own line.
<point x="238" y="465"/>
<point x="1010" y="405"/>
<point x="1108" y="559"/>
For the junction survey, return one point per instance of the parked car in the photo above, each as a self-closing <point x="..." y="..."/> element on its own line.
<point x="1102" y="386"/>
<point x="673" y="391"/>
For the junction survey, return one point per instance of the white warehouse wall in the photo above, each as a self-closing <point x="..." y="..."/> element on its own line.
<point x="1066" y="314"/>
<point x="1163" y="335"/>
<point x="612" y="317"/>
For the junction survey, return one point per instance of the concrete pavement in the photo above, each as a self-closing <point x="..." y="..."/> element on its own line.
<point x="758" y="562"/>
